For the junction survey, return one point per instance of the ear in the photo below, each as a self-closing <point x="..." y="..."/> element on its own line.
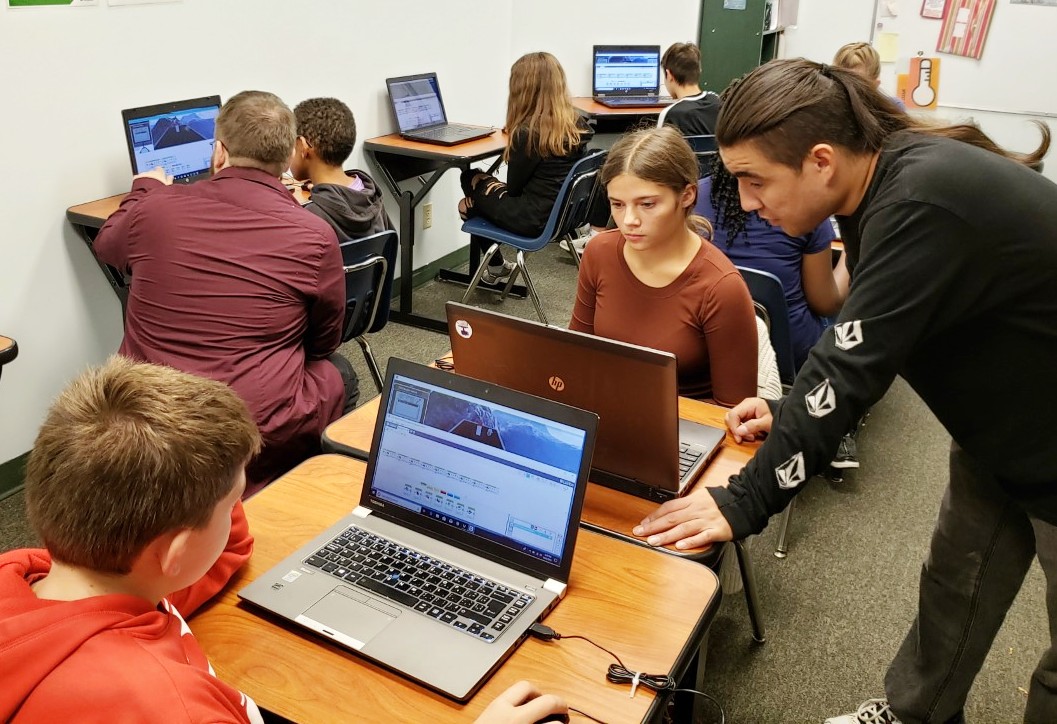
<point x="171" y="551"/>
<point x="688" y="198"/>
<point x="301" y="147"/>
<point x="668" y="77"/>
<point x="821" y="159"/>
<point x="220" y="155"/>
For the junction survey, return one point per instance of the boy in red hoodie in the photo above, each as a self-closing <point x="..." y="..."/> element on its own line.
<point x="134" y="487"/>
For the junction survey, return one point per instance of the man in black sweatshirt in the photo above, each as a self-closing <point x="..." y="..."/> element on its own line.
<point x="952" y="248"/>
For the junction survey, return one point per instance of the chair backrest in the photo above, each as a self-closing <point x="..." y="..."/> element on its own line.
<point x="369" y="264"/>
<point x="574" y="198"/>
<point x="766" y="292"/>
<point x="705" y="148"/>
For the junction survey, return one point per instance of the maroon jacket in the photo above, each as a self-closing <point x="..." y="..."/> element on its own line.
<point x="233" y="280"/>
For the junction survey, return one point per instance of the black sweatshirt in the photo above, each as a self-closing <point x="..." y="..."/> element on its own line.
<point x="353" y="214"/>
<point x="953" y="253"/>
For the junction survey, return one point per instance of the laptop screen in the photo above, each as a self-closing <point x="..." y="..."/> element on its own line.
<point x="626" y="68"/>
<point x="416" y="101"/>
<point x="176" y="136"/>
<point x="502" y="475"/>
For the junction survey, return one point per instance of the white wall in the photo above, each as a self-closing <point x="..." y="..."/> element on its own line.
<point x="1001" y="91"/>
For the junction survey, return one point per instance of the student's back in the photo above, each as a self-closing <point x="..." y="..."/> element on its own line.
<point x="695" y="111"/>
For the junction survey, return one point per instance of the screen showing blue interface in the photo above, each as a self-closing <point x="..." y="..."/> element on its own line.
<point x="180" y="142"/>
<point x="417" y="103"/>
<point x="619" y="70"/>
<point x="500" y="474"/>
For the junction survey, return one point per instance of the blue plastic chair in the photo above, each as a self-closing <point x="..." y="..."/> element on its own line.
<point x="369" y="264"/>
<point x="570" y="211"/>
<point x="705" y="148"/>
<point x="767" y="292"/>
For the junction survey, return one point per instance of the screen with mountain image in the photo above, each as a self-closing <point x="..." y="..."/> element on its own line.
<point x="495" y="472"/>
<point x="180" y="142"/>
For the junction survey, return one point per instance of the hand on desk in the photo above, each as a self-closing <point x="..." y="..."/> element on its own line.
<point x="522" y="703"/>
<point x="157" y="173"/>
<point x="749" y="419"/>
<point x="690" y="522"/>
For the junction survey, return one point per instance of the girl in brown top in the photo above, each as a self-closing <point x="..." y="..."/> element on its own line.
<point x="654" y="281"/>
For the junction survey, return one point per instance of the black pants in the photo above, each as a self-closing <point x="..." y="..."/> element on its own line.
<point x="351" y="380"/>
<point x="491" y="200"/>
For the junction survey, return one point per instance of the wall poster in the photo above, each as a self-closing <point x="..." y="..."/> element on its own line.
<point x="965" y="26"/>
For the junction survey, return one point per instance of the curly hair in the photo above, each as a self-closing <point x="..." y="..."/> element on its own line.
<point x="328" y="126"/>
<point x="730" y="216"/>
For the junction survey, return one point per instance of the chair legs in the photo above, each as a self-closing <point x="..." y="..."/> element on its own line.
<point x="752" y="602"/>
<point x="487" y="257"/>
<point x="519" y="269"/>
<point x="372" y="363"/>
<point x="782" y="548"/>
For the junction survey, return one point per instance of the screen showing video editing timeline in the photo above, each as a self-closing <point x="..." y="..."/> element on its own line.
<point x="180" y="142"/>
<point x="500" y="474"/>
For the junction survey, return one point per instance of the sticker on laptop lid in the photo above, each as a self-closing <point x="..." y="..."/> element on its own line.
<point x="463" y="328"/>
<point x="292" y="576"/>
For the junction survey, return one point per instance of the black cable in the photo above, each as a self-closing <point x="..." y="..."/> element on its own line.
<point x="618" y="673"/>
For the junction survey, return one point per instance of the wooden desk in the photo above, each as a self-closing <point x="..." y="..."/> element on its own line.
<point x="396" y="160"/>
<point x="307" y="679"/>
<point x="605" y="509"/>
<point x="8" y="350"/>
<point x="88" y="218"/>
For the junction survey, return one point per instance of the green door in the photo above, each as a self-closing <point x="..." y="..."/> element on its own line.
<point x="731" y="40"/>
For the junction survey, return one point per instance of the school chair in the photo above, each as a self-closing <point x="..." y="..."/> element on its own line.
<point x="8" y="351"/>
<point x="705" y="148"/>
<point x="569" y="211"/>
<point x="369" y="264"/>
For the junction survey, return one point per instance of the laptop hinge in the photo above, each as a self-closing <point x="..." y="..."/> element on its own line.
<point x="361" y="512"/>
<point x="555" y="587"/>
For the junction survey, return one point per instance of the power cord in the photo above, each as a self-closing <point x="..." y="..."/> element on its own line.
<point x="618" y="673"/>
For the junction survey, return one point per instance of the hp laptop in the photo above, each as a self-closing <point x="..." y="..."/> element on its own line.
<point x="419" y="112"/>
<point x="177" y="136"/>
<point x="463" y="537"/>
<point x="643" y="447"/>
<point x="628" y="75"/>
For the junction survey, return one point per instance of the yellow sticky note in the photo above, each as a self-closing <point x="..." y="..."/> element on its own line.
<point x="888" y="47"/>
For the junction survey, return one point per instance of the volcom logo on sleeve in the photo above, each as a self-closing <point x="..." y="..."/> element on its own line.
<point x="822" y="400"/>
<point x="792" y="472"/>
<point x="848" y="335"/>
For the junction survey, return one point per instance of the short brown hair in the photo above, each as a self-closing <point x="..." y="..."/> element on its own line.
<point x="661" y="156"/>
<point x="258" y="130"/>
<point x="683" y="61"/>
<point x="861" y="58"/>
<point x="130" y="451"/>
<point x="328" y="126"/>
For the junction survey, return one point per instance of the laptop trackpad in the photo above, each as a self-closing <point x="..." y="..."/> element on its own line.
<point x="349" y="617"/>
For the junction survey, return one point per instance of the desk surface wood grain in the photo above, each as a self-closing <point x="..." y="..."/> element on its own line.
<point x="306" y="679"/>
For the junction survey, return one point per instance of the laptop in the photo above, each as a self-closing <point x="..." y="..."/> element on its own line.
<point x="419" y="112"/>
<point x="463" y="537"/>
<point x="627" y="75"/>
<point x="643" y="447"/>
<point x="177" y="136"/>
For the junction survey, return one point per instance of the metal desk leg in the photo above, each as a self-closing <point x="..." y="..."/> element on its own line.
<point x="783" y="531"/>
<point x="748" y="580"/>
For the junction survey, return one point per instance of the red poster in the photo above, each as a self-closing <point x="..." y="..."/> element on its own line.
<point x="965" y="26"/>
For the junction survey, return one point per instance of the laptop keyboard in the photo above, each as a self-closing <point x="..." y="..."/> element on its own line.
<point x="632" y="100"/>
<point x="478" y="606"/>
<point x="452" y="130"/>
<point x="688" y="457"/>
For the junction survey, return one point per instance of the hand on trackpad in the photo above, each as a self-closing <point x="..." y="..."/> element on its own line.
<point x="349" y="617"/>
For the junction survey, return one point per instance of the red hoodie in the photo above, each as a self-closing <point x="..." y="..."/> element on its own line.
<point x="114" y="657"/>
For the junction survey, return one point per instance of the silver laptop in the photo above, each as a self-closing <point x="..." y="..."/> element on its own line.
<point x="419" y="112"/>
<point x="627" y="75"/>
<point x="643" y="447"/>
<point x="463" y="537"/>
<point x="177" y="136"/>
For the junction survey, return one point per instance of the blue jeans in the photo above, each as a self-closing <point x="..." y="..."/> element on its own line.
<point x="981" y="550"/>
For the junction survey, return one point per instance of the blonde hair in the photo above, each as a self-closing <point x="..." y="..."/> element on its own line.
<point x="128" y="452"/>
<point x="258" y="130"/>
<point x="661" y="156"/>
<point x="861" y="58"/>
<point x="540" y="106"/>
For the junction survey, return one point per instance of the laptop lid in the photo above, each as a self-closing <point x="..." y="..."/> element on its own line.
<point x="178" y="136"/>
<point x="416" y="102"/>
<point x="626" y="70"/>
<point x="483" y="485"/>
<point x="633" y="389"/>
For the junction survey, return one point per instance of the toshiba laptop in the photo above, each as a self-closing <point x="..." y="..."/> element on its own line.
<point x="643" y="447"/>
<point x="419" y="112"/>
<point x="627" y="75"/>
<point x="463" y="537"/>
<point x="177" y="136"/>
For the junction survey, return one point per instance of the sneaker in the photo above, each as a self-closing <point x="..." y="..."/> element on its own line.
<point x="871" y="711"/>
<point x="847" y="455"/>
<point x="577" y="244"/>
<point x="498" y="274"/>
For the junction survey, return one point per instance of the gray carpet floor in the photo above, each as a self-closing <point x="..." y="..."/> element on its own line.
<point x="838" y="607"/>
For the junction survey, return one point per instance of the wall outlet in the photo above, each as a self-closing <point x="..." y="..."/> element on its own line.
<point x="427" y="215"/>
